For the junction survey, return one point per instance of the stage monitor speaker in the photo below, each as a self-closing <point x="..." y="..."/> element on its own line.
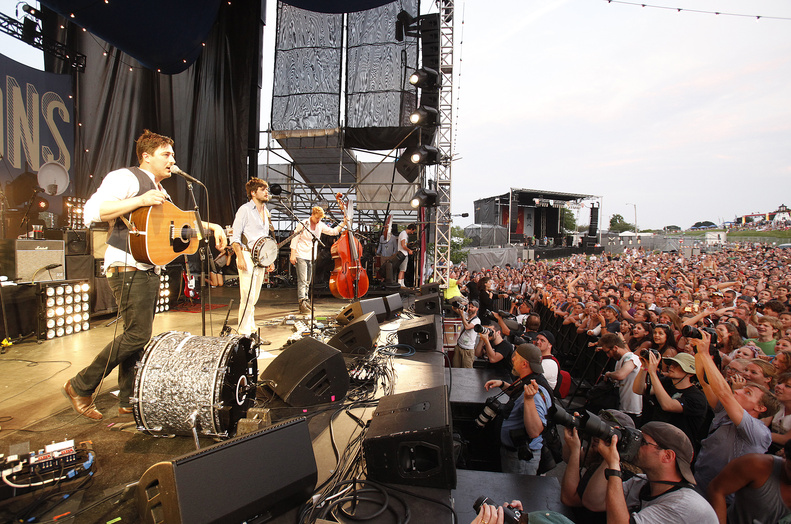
<point x="410" y="440"/>
<point x="306" y="373"/>
<point x="77" y="241"/>
<point x="428" y="305"/>
<point x="23" y="259"/>
<point x="394" y="305"/>
<point x="261" y="474"/>
<point x="359" y="337"/>
<point x="361" y="307"/>
<point x="429" y="289"/>
<point x="423" y="334"/>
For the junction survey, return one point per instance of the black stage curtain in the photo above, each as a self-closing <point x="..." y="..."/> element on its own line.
<point x="205" y="109"/>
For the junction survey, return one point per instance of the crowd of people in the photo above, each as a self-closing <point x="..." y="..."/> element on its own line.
<point x="698" y="353"/>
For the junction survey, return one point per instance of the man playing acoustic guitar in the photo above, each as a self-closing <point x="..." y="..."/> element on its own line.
<point x="135" y="284"/>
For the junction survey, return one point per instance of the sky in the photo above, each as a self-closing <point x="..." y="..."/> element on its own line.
<point x="679" y="116"/>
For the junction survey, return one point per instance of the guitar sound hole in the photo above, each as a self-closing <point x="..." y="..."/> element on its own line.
<point x="181" y="242"/>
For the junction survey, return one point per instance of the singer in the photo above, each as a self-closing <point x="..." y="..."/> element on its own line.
<point x="135" y="285"/>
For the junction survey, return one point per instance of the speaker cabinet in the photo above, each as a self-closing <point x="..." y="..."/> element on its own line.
<point x="394" y="305"/>
<point x="359" y="337"/>
<point x="428" y="305"/>
<point x="23" y="259"/>
<point x="264" y="473"/>
<point x="79" y="267"/>
<point x="360" y="308"/>
<point x="429" y="289"/>
<point x="410" y="440"/>
<point x="306" y="373"/>
<point x="423" y="334"/>
<point x="76" y="241"/>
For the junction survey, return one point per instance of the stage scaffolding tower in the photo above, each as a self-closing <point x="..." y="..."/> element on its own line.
<point x="444" y="138"/>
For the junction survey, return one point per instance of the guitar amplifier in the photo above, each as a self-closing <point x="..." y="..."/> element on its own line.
<point x="21" y="260"/>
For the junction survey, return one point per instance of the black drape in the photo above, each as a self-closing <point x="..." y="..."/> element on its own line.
<point x="205" y="109"/>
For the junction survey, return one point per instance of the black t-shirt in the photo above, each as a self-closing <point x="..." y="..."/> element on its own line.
<point x="694" y="402"/>
<point x="504" y="348"/>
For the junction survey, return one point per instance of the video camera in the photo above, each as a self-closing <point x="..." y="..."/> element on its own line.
<point x="629" y="439"/>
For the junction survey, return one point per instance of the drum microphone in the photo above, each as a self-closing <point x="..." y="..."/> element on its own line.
<point x="177" y="171"/>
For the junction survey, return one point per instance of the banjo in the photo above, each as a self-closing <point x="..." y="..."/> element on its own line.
<point x="265" y="249"/>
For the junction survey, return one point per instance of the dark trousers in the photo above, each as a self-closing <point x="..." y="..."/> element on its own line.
<point x="136" y="295"/>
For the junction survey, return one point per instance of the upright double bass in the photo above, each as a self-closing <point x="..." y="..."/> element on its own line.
<point x="349" y="279"/>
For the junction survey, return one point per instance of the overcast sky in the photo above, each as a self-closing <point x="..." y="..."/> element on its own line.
<point x="685" y="115"/>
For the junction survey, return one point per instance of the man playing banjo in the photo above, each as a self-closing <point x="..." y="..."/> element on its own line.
<point x="251" y="224"/>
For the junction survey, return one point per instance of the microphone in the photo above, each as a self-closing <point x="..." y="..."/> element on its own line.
<point x="176" y="170"/>
<point x="51" y="266"/>
<point x="39" y="190"/>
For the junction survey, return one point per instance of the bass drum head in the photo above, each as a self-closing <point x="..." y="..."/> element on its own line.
<point x="186" y="381"/>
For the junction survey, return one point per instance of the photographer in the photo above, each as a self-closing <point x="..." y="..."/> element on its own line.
<point x="674" y="398"/>
<point x="464" y="352"/>
<point x="736" y="429"/>
<point x="495" y="348"/>
<point x="520" y="434"/>
<point x="665" y="492"/>
<point x="627" y="367"/>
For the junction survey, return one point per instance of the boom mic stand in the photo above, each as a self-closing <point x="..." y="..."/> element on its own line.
<point x="312" y="259"/>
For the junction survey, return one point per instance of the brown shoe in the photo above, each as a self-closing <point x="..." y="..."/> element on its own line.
<point x="304" y="307"/>
<point x="82" y="405"/>
<point x="124" y="411"/>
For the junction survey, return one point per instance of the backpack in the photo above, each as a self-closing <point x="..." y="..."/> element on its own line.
<point x="563" y="385"/>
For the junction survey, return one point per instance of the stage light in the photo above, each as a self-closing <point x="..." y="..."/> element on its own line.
<point x="425" y="78"/>
<point x="425" y="155"/>
<point x="404" y="22"/>
<point x="424" y="116"/>
<point x="64" y="308"/>
<point x="41" y="204"/>
<point x="424" y="198"/>
<point x="163" y="300"/>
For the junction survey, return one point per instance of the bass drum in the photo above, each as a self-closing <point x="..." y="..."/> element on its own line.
<point x="186" y="381"/>
<point x="264" y="252"/>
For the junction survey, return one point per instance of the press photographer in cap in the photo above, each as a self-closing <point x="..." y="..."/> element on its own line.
<point x="525" y="414"/>
<point x="464" y="352"/>
<point x="665" y="491"/>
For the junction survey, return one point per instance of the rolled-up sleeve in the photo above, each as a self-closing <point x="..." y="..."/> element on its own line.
<point x="117" y="185"/>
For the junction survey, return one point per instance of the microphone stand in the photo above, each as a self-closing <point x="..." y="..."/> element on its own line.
<point x="312" y="259"/>
<point x="202" y="252"/>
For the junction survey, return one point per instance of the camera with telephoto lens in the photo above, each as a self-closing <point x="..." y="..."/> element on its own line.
<point x="511" y="515"/>
<point x="491" y="409"/>
<point x="483" y="330"/>
<point x="629" y="439"/>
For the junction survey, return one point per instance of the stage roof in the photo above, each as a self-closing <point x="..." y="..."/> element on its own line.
<point x="554" y="195"/>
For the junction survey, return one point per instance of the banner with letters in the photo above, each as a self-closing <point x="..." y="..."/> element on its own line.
<point x="37" y="115"/>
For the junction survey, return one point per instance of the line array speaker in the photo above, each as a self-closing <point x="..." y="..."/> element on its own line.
<point x="358" y="337"/>
<point x="306" y="373"/>
<point x="410" y="440"/>
<point x="423" y="334"/>
<point x="23" y="259"/>
<point x="260" y="474"/>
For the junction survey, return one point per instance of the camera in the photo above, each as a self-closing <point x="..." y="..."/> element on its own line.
<point x="629" y="439"/>
<point x="693" y="332"/>
<point x="645" y="352"/>
<point x="510" y="514"/>
<point x="491" y="409"/>
<point x="483" y="330"/>
<point x="460" y="306"/>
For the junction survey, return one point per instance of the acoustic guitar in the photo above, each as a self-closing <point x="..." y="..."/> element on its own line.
<point x="158" y="234"/>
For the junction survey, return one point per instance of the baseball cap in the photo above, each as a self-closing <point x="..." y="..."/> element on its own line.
<point x="617" y="417"/>
<point x="532" y="354"/>
<point x="685" y="361"/>
<point x="668" y="436"/>
<point x="549" y="336"/>
<point x="475" y="303"/>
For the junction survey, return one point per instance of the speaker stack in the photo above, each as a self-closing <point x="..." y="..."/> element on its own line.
<point x="359" y="337"/>
<point x="261" y="474"/>
<point x="306" y="373"/>
<point x="410" y="440"/>
<point x="423" y="334"/>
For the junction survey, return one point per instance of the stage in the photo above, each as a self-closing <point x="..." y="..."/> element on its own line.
<point x="34" y="414"/>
